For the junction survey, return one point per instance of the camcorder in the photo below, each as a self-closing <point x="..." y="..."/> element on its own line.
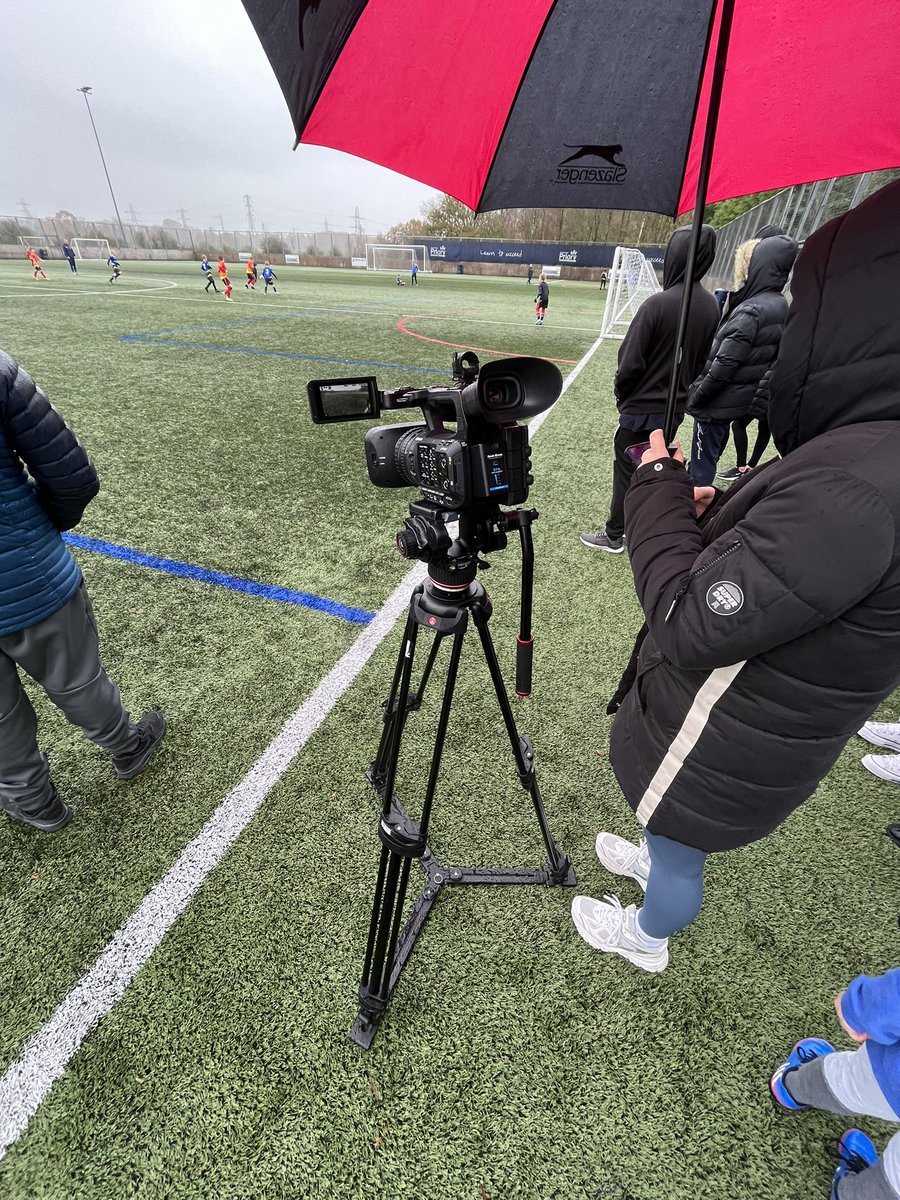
<point x="485" y="459"/>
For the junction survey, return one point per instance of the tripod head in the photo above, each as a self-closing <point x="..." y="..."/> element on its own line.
<point x="450" y="543"/>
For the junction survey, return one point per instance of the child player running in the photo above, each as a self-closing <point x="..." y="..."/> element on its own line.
<point x="223" y="276"/>
<point x="269" y="278"/>
<point x="113" y="262"/>
<point x="32" y="256"/>
<point x="251" y="275"/>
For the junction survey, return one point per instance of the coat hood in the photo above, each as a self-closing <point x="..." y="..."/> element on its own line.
<point x="676" y="255"/>
<point x="839" y="362"/>
<point x="765" y="231"/>
<point x="770" y="266"/>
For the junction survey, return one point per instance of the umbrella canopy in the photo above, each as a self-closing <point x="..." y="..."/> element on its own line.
<point x="590" y="103"/>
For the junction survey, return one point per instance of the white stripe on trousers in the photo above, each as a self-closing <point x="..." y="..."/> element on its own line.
<point x="709" y="694"/>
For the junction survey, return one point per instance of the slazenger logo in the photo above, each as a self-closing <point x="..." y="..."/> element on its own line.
<point x="724" y="598"/>
<point x="614" y="172"/>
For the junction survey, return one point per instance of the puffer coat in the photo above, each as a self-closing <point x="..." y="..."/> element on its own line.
<point x="46" y="481"/>
<point x="746" y="343"/>
<point x="774" y="625"/>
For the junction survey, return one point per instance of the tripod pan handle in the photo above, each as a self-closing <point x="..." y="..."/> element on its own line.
<point x="524" y="655"/>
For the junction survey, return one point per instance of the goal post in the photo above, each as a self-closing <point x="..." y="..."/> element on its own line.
<point x="94" y="248"/>
<point x="396" y="259"/>
<point x="632" y="280"/>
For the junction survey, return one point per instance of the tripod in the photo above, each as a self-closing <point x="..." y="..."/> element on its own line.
<point x="443" y="604"/>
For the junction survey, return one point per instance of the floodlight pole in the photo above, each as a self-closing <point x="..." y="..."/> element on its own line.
<point x="85" y="91"/>
<point x="709" y="139"/>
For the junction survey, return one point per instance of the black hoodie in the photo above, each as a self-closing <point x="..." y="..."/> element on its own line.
<point x="746" y="342"/>
<point x="645" y="356"/>
<point x="774" y="629"/>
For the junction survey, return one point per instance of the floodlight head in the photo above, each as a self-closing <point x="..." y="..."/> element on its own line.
<point x="87" y="90"/>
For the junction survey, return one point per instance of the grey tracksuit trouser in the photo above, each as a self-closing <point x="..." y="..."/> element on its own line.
<point x="62" y="654"/>
<point x="845" y="1083"/>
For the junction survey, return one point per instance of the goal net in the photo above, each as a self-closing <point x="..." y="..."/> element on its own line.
<point x="396" y="258"/>
<point x="35" y="243"/>
<point x="632" y="280"/>
<point x="97" y="248"/>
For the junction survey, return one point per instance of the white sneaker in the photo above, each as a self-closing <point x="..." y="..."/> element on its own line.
<point x="624" y="858"/>
<point x="885" y="766"/>
<point x="607" y="926"/>
<point x="881" y="734"/>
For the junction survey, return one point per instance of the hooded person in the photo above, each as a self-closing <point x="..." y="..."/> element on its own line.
<point x="645" y="363"/>
<point x="743" y="350"/>
<point x="772" y="610"/>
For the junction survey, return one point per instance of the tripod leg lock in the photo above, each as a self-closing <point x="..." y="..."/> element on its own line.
<point x="413" y="704"/>
<point x="400" y="833"/>
<point x="526" y="775"/>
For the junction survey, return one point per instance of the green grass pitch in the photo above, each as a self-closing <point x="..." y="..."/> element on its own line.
<point x="513" y="1063"/>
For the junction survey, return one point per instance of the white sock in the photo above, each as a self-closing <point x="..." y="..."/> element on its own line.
<point x="644" y="939"/>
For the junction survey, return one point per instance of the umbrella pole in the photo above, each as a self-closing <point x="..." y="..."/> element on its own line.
<point x="709" y="139"/>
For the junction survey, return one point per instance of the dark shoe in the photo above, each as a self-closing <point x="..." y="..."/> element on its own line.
<point x="50" y="817"/>
<point x="601" y="541"/>
<point x="151" y="731"/>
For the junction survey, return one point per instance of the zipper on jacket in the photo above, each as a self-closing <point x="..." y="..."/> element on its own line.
<point x="700" y="570"/>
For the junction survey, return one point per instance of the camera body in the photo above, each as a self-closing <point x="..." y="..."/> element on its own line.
<point x="484" y="459"/>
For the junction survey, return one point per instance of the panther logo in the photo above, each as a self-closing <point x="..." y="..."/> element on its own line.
<point x="607" y="153"/>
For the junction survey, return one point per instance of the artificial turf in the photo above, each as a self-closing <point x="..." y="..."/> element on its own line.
<point x="513" y="1064"/>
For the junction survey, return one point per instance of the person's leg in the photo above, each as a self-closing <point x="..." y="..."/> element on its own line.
<point x="674" y="893"/>
<point x="62" y="654"/>
<point x="623" y="470"/>
<point x="24" y="771"/>
<point x="708" y="441"/>
<point x="763" y="435"/>
<point x="842" y="1083"/>
<point x="739" y="435"/>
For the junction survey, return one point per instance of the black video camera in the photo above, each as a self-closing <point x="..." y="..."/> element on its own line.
<point x="485" y="459"/>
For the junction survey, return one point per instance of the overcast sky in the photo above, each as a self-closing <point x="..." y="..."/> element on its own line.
<point x="189" y="116"/>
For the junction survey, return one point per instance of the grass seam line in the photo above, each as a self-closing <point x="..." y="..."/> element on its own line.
<point x="262" y="591"/>
<point x="46" y="1054"/>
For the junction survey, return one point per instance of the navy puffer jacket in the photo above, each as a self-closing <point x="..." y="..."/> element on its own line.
<point x="746" y="343"/>
<point x="46" y="482"/>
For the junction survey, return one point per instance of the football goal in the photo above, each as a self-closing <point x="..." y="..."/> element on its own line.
<point x="35" y="243"/>
<point x="396" y="259"/>
<point x="96" y="248"/>
<point x="631" y="280"/>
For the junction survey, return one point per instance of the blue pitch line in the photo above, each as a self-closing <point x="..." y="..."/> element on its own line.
<point x="262" y="591"/>
<point x="347" y="362"/>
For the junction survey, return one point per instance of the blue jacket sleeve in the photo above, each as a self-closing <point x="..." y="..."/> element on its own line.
<point x="872" y="1006"/>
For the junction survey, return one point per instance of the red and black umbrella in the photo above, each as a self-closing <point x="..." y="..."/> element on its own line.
<point x="658" y="105"/>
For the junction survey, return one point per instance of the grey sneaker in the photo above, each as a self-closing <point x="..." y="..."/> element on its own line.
<point x="624" y="858"/>
<point x="151" y="731"/>
<point x="606" y="926"/>
<point x="880" y="733"/>
<point x="50" y="817"/>
<point x="600" y="541"/>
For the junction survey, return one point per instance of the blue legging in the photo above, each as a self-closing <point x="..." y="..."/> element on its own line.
<point x="675" y="887"/>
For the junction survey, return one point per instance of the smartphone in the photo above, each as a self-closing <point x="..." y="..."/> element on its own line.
<point x="636" y="453"/>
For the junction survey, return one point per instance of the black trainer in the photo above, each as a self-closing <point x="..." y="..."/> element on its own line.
<point x="151" y="731"/>
<point x="50" y="817"/>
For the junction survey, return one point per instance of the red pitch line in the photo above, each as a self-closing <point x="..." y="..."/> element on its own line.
<point x="401" y="325"/>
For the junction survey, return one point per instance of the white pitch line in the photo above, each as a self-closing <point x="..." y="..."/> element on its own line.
<point x="47" y="1053"/>
<point x="52" y="293"/>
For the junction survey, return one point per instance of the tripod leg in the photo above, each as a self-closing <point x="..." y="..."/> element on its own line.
<point x="560" y="866"/>
<point x="402" y="840"/>
<point x="395" y="718"/>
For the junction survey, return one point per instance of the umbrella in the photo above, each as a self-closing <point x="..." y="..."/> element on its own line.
<point x="657" y="105"/>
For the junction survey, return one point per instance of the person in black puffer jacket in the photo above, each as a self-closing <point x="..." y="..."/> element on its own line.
<point x="47" y="625"/>
<point x="743" y="349"/>
<point x="772" y="611"/>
